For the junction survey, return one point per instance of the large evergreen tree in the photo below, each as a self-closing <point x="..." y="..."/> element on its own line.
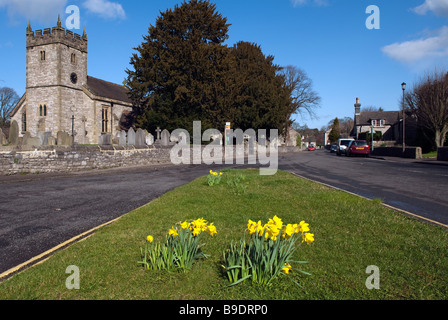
<point x="261" y="99"/>
<point x="183" y="72"/>
<point x="180" y="70"/>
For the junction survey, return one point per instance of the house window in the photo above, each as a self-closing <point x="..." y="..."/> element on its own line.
<point x="24" y="122"/>
<point x="382" y="123"/>
<point x="105" y="115"/>
<point x="42" y="55"/>
<point x="374" y="123"/>
<point x="42" y="110"/>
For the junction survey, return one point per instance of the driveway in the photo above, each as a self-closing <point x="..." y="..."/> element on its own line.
<point x="39" y="212"/>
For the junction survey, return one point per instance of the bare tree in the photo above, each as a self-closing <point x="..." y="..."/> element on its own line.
<point x="8" y="100"/>
<point x="303" y="97"/>
<point x="428" y="102"/>
<point x="372" y="109"/>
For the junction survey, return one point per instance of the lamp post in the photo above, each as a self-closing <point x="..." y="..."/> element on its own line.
<point x="403" y="86"/>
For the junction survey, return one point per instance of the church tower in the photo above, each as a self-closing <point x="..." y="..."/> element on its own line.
<point x="56" y="72"/>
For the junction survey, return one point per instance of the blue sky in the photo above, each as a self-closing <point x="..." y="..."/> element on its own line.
<point x="326" y="38"/>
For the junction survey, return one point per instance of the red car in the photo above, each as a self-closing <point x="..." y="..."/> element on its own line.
<point x="358" y="147"/>
<point x="311" y="148"/>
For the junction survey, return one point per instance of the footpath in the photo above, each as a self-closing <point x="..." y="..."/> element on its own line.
<point x="427" y="161"/>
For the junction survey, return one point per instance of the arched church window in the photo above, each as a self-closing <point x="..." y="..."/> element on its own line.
<point x="42" y="55"/>
<point x="73" y="58"/>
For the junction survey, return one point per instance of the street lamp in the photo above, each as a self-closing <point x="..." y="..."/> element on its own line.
<point x="403" y="86"/>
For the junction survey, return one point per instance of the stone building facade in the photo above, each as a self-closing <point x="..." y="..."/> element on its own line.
<point x="60" y="96"/>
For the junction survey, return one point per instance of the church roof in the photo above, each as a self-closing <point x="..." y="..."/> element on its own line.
<point x="109" y="90"/>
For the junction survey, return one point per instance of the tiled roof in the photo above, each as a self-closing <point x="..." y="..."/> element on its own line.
<point x="108" y="90"/>
<point x="391" y="117"/>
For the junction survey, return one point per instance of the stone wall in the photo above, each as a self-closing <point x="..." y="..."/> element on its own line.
<point x="47" y="159"/>
<point x="442" y="154"/>
<point x="411" y="152"/>
<point x="59" y="159"/>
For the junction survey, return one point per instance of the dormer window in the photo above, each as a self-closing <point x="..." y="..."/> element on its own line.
<point x="378" y="123"/>
<point x="42" y="55"/>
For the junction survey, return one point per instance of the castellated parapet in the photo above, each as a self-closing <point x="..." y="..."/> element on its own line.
<point x="56" y="35"/>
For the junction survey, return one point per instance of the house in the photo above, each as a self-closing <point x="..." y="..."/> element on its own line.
<point x="386" y="122"/>
<point x="60" y="96"/>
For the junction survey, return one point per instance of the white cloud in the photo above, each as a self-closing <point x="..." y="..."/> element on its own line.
<point x="297" y="3"/>
<point x="43" y="11"/>
<point x="105" y="8"/>
<point x="433" y="46"/>
<point x="438" y="7"/>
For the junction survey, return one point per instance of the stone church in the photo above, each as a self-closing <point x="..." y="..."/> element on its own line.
<point x="60" y="96"/>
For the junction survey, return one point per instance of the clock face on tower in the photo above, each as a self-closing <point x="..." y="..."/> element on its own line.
<point x="74" y="78"/>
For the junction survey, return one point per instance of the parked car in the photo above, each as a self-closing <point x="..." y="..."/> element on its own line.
<point x="333" y="148"/>
<point x="311" y="147"/>
<point x="358" y="147"/>
<point x="342" y="145"/>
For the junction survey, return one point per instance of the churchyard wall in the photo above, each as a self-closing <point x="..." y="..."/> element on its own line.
<point x="442" y="154"/>
<point x="60" y="159"/>
<point x="49" y="159"/>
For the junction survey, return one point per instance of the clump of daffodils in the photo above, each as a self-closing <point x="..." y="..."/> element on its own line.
<point x="181" y="248"/>
<point x="214" y="178"/>
<point x="268" y="252"/>
<point x="275" y="228"/>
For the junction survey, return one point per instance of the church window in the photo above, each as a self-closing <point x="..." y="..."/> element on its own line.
<point x="73" y="58"/>
<point x="43" y="110"/>
<point x="24" y="122"/>
<point x="105" y="115"/>
<point x="42" y="55"/>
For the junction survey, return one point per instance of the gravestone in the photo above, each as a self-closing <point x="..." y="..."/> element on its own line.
<point x="51" y="141"/>
<point x="32" y="142"/>
<point x="105" y="139"/>
<point x="131" y="137"/>
<point x="3" y="139"/>
<point x="165" y="139"/>
<point x="26" y="137"/>
<point x="122" y="139"/>
<point x="43" y="136"/>
<point x="149" y="139"/>
<point x="158" y="133"/>
<point x="64" y="139"/>
<point x="140" y="139"/>
<point x="14" y="133"/>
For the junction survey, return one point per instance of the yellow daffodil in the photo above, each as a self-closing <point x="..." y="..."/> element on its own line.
<point x="289" y="230"/>
<point x="304" y="227"/>
<point x="197" y="231"/>
<point x="211" y="171"/>
<point x="184" y="225"/>
<point x="252" y="227"/>
<point x="308" y="238"/>
<point x="287" y="268"/>
<point x="212" y="229"/>
<point x="150" y="239"/>
<point x="173" y="232"/>
<point x="220" y="173"/>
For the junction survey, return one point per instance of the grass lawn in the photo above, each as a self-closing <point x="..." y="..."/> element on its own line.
<point x="432" y="154"/>
<point x="351" y="233"/>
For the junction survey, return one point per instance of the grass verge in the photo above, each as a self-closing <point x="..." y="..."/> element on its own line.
<point x="351" y="233"/>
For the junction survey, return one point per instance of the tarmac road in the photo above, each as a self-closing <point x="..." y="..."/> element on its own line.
<point x="39" y="212"/>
